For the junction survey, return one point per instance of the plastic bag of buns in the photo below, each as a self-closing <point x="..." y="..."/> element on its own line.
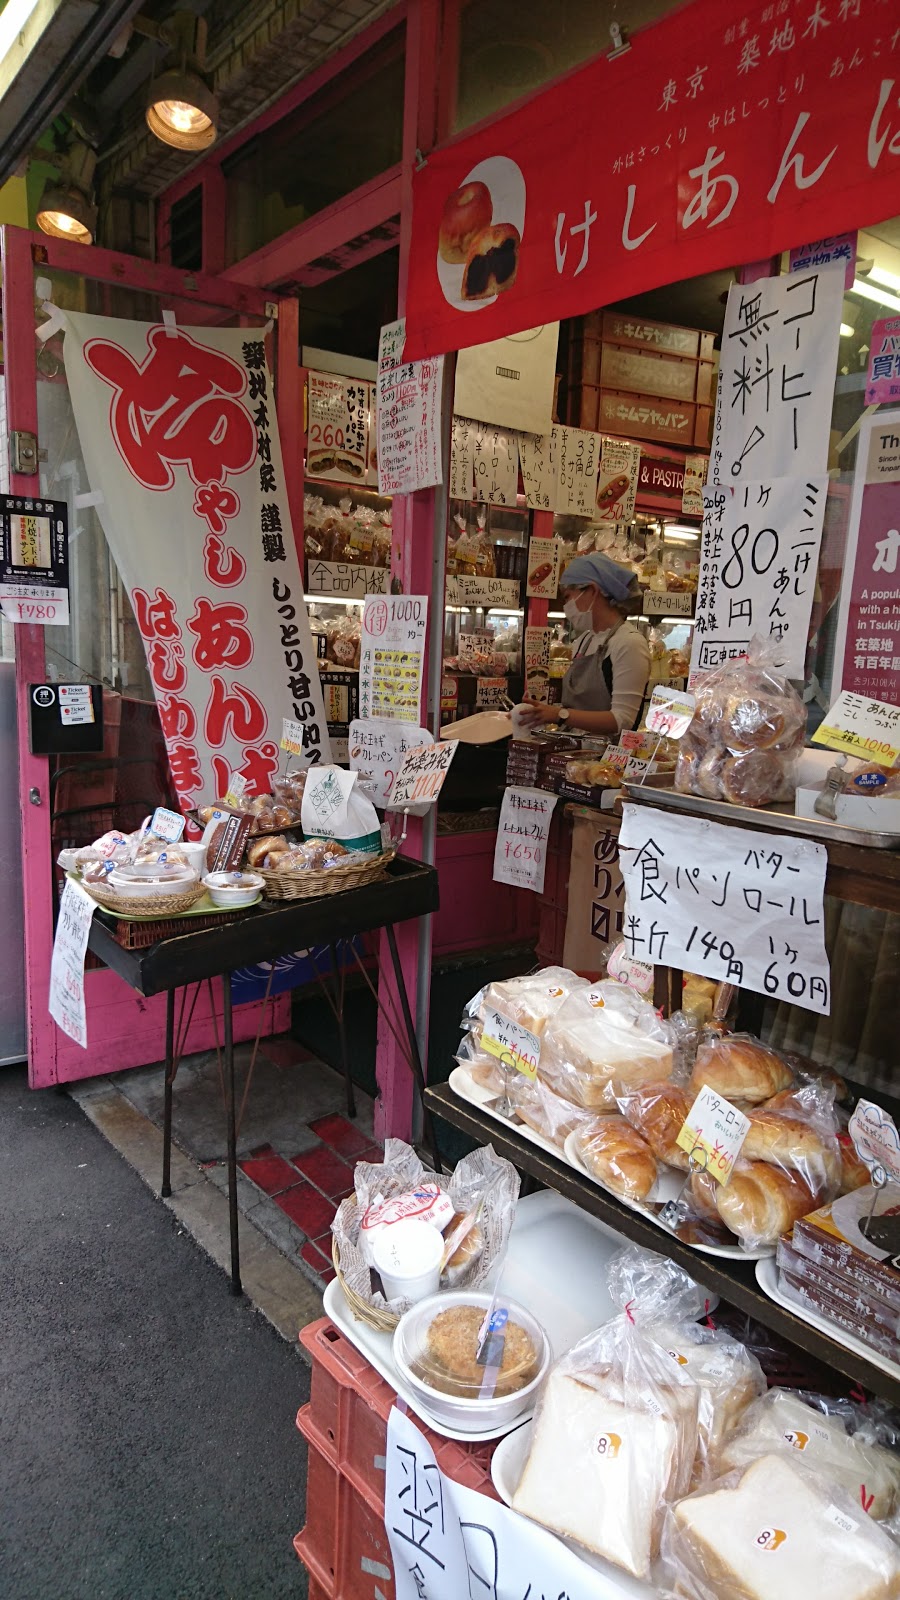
<point x="603" y="1041"/>
<point x="746" y="735"/>
<point x="531" y="1001"/>
<point x="775" y="1531"/>
<point x="614" y="1437"/>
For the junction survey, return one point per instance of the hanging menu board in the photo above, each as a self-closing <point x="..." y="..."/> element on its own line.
<point x="337" y="428"/>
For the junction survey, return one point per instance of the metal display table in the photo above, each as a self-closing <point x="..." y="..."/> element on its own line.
<point x="734" y="1281"/>
<point x="273" y="928"/>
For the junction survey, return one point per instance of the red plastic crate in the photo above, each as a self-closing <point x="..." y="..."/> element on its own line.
<point x="344" y="1544"/>
<point x="347" y="1415"/>
<point x="317" y="1590"/>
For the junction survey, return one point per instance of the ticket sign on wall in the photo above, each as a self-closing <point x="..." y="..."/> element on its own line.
<point x="746" y="909"/>
<point x="34" y="561"/>
<point x="393" y="646"/>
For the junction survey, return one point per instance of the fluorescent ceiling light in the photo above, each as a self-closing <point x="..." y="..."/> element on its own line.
<point x="880" y="296"/>
<point x="879" y="275"/>
<point x="846" y="330"/>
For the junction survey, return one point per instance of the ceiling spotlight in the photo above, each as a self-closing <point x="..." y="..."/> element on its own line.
<point x="67" y="209"/>
<point x="182" y="110"/>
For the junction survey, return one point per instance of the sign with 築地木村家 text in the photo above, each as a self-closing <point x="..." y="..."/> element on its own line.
<point x="739" y="907"/>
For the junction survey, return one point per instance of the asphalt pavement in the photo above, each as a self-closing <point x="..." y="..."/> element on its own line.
<point x="147" y="1441"/>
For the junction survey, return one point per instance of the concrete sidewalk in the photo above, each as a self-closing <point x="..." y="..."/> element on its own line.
<point x="147" y="1440"/>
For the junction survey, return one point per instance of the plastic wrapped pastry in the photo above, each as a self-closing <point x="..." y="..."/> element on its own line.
<point x="776" y="1533"/>
<point x="761" y="1202"/>
<point x="729" y="1378"/>
<point x="658" y="1112"/>
<point x="740" y="1068"/>
<point x="746" y="735"/>
<point x="604" y="1042"/>
<point x="786" y="1422"/>
<point x="615" y="1154"/>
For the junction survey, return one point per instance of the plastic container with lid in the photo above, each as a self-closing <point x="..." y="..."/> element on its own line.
<point x="435" y="1348"/>
<point x="233" y="889"/>
<point x="129" y="883"/>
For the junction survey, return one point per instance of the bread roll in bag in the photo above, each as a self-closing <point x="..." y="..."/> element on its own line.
<point x="777" y="1533"/>
<point x="603" y="1041"/>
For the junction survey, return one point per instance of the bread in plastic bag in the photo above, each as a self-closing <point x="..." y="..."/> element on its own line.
<point x="759" y="1202"/>
<point x="746" y="735"/>
<point x="776" y="1532"/>
<point x="739" y="1067"/>
<point x="813" y="1428"/>
<point x="531" y="1000"/>
<point x="797" y="1130"/>
<point x="482" y="1182"/>
<point x="615" y="1434"/>
<point x="604" y="1041"/>
<point x="545" y="1112"/>
<point x="614" y="1153"/>
<point x="728" y="1377"/>
<point x="657" y="1111"/>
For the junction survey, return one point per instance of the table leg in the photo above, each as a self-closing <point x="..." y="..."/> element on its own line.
<point x="342" y="1032"/>
<point x="428" y="1132"/>
<point x="167" y="1094"/>
<point x="228" y="1049"/>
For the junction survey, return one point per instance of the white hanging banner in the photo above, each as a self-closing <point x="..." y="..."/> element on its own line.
<point x="758" y="565"/>
<point x="738" y="906"/>
<point x="73" y="929"/>
<point x="178" y="431"/>
<point x="408" y="416"/>
<point x="448" y="1541"/>
<point x="779" y="357"/>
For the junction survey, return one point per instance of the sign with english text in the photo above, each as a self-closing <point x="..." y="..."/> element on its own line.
<point x="731" y="130"/>
<point x="520" y="854"/>
<point x="866" y="653"/>
<point x="180" y="439"/>
<point x="739" y="907"/>
<point x="758" y="564"/>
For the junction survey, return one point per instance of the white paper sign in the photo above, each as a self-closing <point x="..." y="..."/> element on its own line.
<point x="167" y="825"/>
<point x="513" y="1044"/>
<point x="462" y="450"/>
<point x="543" y="569"/>
<point x="344" y="580"/>
<point x="695" y="468"/>
<point x="421" y="776"/>
<point x="449" y="1542"/>
<point x="409" y="416"/>
<point x="758" y="565"/>
<point x="862" y="727"/>
<point x="76" y="909"/>
<point x="670" y="711"/>
<point x="496" y="465"/>
<point x="466" y="590"/>
<point x="491" y="693"/>
<point x="779" y="357"/>
<point x="337" y="445"/>
<point x="291" y="736"/>
<point x="537" y="453"/>
<point x="876" y="1141"/>
<point x="520" y="854"/>
<point x="712" y="1133"/>
<point x="660" y="603"/>
<point x="577" y="461"/>
<point x="75" y="704"/>
<point x="376" y="750"/>
<point x="537" y="663"/>
<point x="740" y="907"/>
<point x="509" y="381"/>
<point x="390" y="666"/>
<point x="617" y="481"/>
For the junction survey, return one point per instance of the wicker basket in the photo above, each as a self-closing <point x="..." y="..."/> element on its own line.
<point x="373" y="1316"/>
<point x="329" y="880"/>
<point x="158" y="905"/>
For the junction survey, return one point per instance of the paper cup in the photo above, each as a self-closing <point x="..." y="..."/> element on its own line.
<point x="408" y="1259"/>
<point x="195" y="854"/>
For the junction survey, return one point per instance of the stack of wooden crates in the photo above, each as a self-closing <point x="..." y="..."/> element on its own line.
<point x="640" y="379"/>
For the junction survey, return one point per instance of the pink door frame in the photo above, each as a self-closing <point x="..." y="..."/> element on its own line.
<point x="124" y="1030"/>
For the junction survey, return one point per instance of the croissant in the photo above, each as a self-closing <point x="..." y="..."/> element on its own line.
<point x="703" y="1196"/>
<point x="615" y="1153"/>
<point x="740" y="1069"/>
<point x="787" y="1142"/>
<point x="760" y="1202"/>
<point x="658" y="1112"/>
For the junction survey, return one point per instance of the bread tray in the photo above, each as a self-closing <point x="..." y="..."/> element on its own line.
<point x="659" y="790"/>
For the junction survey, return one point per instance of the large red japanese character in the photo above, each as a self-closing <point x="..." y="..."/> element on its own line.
<point x="259" y="767"/>
<point x="223" y="639"/>
<point x="222" y="564"/>
<point x="167" y="668"/>
<point x="178" y="717"/>
<point x="185" y="766"/>
<point x="238" y="715"/>
<point x="214" y="504"/>
<point x="156" y="617"/>
<point x="180" y="407"/>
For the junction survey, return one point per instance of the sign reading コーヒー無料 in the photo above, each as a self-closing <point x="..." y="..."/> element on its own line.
<point x="740" y="907"/>
<point x="758" y="565"/>
<point x="520" y="854"/>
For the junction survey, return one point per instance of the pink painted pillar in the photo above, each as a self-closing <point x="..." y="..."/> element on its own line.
<point x="416" y="519"/>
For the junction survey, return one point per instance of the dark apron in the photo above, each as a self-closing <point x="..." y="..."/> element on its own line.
<point x="587" y="686"/>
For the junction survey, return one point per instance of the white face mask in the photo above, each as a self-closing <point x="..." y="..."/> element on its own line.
<point x="579" y="621"/>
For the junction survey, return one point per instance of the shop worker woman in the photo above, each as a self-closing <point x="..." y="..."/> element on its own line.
<point x="603" y="689"/>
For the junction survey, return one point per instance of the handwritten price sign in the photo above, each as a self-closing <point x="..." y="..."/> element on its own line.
<point x="670" y="713"/>
<point x="713" y="1133"/>
<point x="421" y="777"/>
<point x="512" y="1044"/>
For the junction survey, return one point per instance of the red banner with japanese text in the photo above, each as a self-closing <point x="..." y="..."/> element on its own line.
<point x="728" y="131"/>
<point x="180" y="440"/>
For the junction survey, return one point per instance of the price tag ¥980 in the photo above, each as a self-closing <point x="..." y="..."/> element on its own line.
<point x="512" y="1044"/>
<point x="713" y="1133"/>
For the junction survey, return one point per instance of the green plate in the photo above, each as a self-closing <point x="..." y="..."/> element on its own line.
<point x="203" y="908"/>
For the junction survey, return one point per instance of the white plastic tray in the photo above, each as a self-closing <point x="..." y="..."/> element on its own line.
<point x="554" y="1266"/>
<point x="506" y="1469"/>
<point x="668" y="1187"/>
<point x="767" y="1278"/>
<point x="463" y="1084"/>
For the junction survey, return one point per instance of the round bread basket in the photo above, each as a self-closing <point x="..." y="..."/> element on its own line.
<point x="385" y="1321"/>
<point x="162" y="905"/>
<point x="327" y="880"/>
